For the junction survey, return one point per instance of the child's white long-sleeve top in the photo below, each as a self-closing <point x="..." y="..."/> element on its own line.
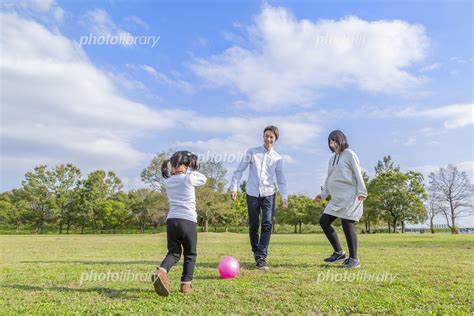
<point x="266" y="169"/>
<point x="345" y="184"/>
<point x="182" y="196"/>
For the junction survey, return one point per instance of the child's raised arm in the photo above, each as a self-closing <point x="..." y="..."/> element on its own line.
<point x="195" y="178"/>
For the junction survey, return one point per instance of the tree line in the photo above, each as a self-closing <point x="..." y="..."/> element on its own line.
<point x="63" y="197"/>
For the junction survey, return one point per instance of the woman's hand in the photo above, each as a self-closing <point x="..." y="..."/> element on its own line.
<point x="361" y="198"/>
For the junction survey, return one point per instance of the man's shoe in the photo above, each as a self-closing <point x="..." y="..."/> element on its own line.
<point x="351" y="263"/>
<point x="161" y="282"/>
<point x="336" y="257"/>
<point x="186" y="288"/>
<point x="262" y="264"/>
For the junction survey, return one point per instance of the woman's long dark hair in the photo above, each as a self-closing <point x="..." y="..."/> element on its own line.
<point x="179" y="158"/>
<point x="338" y="137"/>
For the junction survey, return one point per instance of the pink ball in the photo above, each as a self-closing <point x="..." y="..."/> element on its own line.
<point x="229" y="267"/>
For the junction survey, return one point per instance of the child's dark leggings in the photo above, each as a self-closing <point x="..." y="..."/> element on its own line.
<point x="349" y="230"/>
<point x="182" y="237"/>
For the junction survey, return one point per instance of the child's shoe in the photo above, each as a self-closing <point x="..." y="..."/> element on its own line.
<point x="336" y="257"/>
<point x="161" y="282"/>
<point x="186" y="288"/>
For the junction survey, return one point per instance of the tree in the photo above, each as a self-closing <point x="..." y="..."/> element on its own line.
<point x="371" y="214"/>
<point x="223" y="213"/>
<point x="208" y="205"/>
<point x="210" y="200"/>
<point x="453" y="192"/>
<point x="214" y="170"/>
<point x="37" y="186"/>
<point x="412" y="207"/>
<point x="398" y="196"/>
<point x="14" y="208"/>
<point x="6" y="206"/>
<point x="64" y="180"/>
<point x="243" y="187"/>
<point x="143" y="205"/>
<point x="80" y="206"/>
<point x="151" y="175"/>
<point x="433" y="209"/>
<point x="97" y="189"/>
<point x="114" y="213"/>
<point x="301" y="210"/>
<point x="386" y="165"/>
<point x="239" y="208"/>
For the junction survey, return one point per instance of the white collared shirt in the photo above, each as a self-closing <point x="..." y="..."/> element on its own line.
<point x="266" y="169"/>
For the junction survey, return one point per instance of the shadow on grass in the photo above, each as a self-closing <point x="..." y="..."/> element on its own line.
<point x="96" y="262"/>
<point x="108" y="292"/>
<point x="310" y="243"/>
<point x="208" y="277"/>
<point x="251" y="265"/>
<point x="199" y="264"/>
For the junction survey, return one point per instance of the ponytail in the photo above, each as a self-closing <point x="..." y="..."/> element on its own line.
<point x="194" y="162"/>
<point x="165" y="171"/>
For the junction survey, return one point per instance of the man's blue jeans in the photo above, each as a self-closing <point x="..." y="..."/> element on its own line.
<point x="265" y="204"/>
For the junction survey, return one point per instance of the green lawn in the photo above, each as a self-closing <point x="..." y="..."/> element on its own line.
<point x="42" y="274"/>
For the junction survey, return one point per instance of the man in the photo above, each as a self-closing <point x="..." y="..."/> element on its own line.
<point x="265" y="168"/>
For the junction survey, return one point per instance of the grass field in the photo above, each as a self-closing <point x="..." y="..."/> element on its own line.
<point x="400" y="274"/>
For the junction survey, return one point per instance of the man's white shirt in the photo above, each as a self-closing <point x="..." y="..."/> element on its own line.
<point x="265" y="170"/>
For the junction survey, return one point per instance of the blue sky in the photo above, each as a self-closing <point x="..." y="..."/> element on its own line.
<point x="396" y="77"/>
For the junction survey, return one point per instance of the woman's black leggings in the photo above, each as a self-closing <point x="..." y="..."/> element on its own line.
<point x="349" y="230"/>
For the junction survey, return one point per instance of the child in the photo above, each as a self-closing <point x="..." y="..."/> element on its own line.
<point x="265" y="169"/>
<point x="347" y="189"/>
<point x="181" y="222"/>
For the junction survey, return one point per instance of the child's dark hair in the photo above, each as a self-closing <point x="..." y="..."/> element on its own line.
<point x="338" y="137"/>
<point x="179" y="158"/>
<point x="272" y="129"/>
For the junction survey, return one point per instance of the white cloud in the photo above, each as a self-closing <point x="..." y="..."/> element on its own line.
<point x="410" y="142"/>
<point x="426" y="135"/>
<point x="294" y="60"/>
<point x="132" y="86"/>
<point x="77" y="114"/>
<point x="99" y="22"/>
<point x="164" y="79"/>
<point x="137" y="21"/>
<point x="458" y="60"/>
<point x="132" y="183"/>
<point x="57" y="107"/>
<point x="430" y="67"/>
<point x="42" y="9"/>
<point x="466" y="166"/>
<point x="296" y="131"/>
<point x="453" y="115"/>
